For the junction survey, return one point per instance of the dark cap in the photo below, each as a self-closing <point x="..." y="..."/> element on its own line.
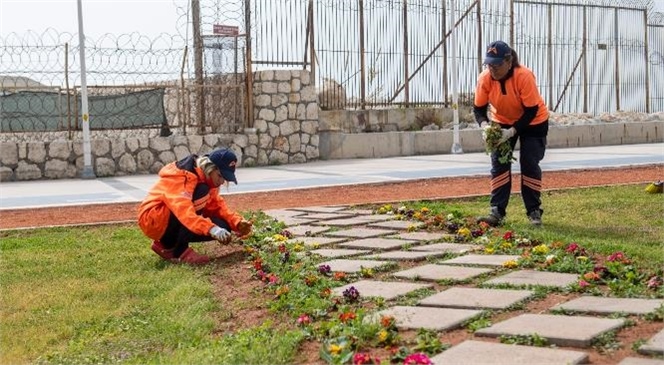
<point x="496" y="53"/>
<point x="225" y="160"/>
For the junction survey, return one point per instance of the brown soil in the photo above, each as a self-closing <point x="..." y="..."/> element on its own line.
<point x="244" y="304"/>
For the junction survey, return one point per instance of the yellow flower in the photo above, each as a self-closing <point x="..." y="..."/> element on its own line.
<point x="582" y="258"/>
<point x="541" y="249"/>
<point x="298" y="247"/>
<point x="489" y="250"/>
<point x="382" y="336"/>
<point x="315" y="245"/>
<point x="279" y="238"/>
<point x="424" y="210"/>
<point x="464" y="232"/>
<point x="334" y="349"/>
<point x="506" y="245"/>
<point x="510" y="264"/>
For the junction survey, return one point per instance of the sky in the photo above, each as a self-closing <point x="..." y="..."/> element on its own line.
<point x="148" y="17"/>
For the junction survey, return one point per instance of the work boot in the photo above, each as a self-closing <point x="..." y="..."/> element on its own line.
<point x="191" y="257"/>
<point x="493" y="219"/>
<point x="161" y="251"/>
<point x="535" y="217"/>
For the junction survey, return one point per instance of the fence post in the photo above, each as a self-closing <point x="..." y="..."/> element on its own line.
<point x="585" y="60"/>
<point x="617" y="40"/>
<point x="645" y="32"/>
<point x="405" y="51"/>
<point x="363" y="86"/>
<point x="88" y="172"/>
<point x="249" y="70"/>
<point x="480" y="44"/>
<point x="446" y="90"/>
<point x="198" y="63"/>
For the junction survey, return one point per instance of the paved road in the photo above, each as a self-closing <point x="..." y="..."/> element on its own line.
<point x="53" y="193"/>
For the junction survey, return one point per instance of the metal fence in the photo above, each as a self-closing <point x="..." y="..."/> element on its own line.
<point x="589" y="56"/>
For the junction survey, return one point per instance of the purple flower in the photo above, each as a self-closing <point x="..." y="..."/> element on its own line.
<point x="324" y="269"/>
<point x="351" y="294"/>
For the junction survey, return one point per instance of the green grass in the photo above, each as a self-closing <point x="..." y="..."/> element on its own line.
<point x="99" y="295"/>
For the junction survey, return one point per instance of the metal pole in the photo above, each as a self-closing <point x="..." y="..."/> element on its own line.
<point x="88" y="172"/>
<point x="456" y="146"/>
<point x="198" y="64"/>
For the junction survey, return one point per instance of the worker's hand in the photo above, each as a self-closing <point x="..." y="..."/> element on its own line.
<point x="507" y="134"/>
<point x="244" y="227"/>
<point x="221" y="235"/>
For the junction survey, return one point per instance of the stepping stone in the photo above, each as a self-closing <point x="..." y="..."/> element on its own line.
<point x="446" y="247"/>
<point x="377" y="243"/>
<point x="654" y="346"/>
<point x="490" y="353"/>
<point x="436" y="319"/>
<point x="353" y="266"/>
<point x="640" y="361"/>
<point x="573" y="331"/>
<point x="354" y="221"/>
<point x="295" y="221"/>
<point x="433" y="272"/>
<point x="359" y="232"/>
<point x="590" y="304"/>
<point x="306" y="230"/>
<point x="476" y="298"/>
<point x="324" y="209"/>
<point x="332" y="253"/>
<point x="426" y="236"/>
<point x="315" y="241"/>
<point x="385" y="289"/>
<point x="282" y="213"/>
<point x="396" y="224"/>
<point x="404" y="255"/>
<point x="359" y="211"/>
<point x="531" y="277"/>
<point x="485" y="260"/>
<point x="323" y="216"/>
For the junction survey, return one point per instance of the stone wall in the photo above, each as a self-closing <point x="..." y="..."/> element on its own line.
<point x="285" y="131"/>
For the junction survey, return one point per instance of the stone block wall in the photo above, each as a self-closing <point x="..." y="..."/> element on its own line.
<point x="285" y="131"/>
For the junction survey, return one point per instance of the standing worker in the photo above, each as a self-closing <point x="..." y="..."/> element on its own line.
<point x="519" y="109"/>
<point x="185" y="206"/>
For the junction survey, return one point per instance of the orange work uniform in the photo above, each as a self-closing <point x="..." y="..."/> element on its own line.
<point x="173" y="193"/>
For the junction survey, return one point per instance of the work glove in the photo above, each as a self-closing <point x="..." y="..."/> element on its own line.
<point x="244" y="227"/>
<point x="507" y="134"/>
<point x="221" y="235"/>
<point x="485" y="131"/>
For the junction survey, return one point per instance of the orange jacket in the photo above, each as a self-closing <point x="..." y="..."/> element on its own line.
<point x="507" y="105"/>
<point x="173" y="193"/>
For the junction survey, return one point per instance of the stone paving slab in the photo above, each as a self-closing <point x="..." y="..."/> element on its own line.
<point x="602" y="305"/>
<point x="359" y="211"/>
<point x="425" y="236"/>
<point x="306" y="230"/>
<point x="532" y="277"/>
<point x="573" y="331"/>
<point x="282" y="213"/>
<point x="640" y="361"/>
<point x="446" y="247"/>
<point x="403" y="255"/>
<point x="295" y="221"/>
<point x="336" y="252"/>
<point x="353" y="266"/>
<point x="490" y="353"/>
<point x="316" y="241"/>
<point x="484" y="260"/>
<point x="360" y="232"/>
<point x="654" y="346"/>
<point x="396" y="224"/>
<point x="353" y="221"/>
<point x="476" y="298"/>
<point x="321" y="209"/>
<point x="324" y="216"/>
<point x="376" y="243"/>
<point x="434" y="272"/>
<point x="385" y="289"/>
<point x="435" y="319"/>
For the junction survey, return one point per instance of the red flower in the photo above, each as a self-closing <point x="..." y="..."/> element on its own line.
<point x="346" y="316"/>
<point x="417" y="358"/>
<point x="361" y="358"/>
<point x="508" y="236"/>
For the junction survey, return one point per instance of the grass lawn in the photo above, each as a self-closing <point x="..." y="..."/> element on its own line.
<point x="99" y="295"/>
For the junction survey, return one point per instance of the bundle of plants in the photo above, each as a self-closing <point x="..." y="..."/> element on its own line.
<point x="493" y="133"/>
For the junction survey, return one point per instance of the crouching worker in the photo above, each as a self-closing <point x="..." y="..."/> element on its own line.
<point x="184" y="206"/>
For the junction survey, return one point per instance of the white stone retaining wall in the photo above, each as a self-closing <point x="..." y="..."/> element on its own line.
<point x="285" y="131"/>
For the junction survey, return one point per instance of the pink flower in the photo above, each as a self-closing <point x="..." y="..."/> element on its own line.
<point x="304" y="320"/>
<point x="361" y="358"/>
<point x="417" y="358"/>
<point x="572" y="247"/>
<point x="654" y="282"/>
<point x="617" y="256"/>
<point x="583" y="283"/>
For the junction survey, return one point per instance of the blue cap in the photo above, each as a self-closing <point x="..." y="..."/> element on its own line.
<point x="225" y="160"/>
<point x="496" y="53"/>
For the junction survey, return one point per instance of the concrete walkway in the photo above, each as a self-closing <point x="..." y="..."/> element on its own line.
<point x="474" y="284"/>
<point x="51" y="193"/>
